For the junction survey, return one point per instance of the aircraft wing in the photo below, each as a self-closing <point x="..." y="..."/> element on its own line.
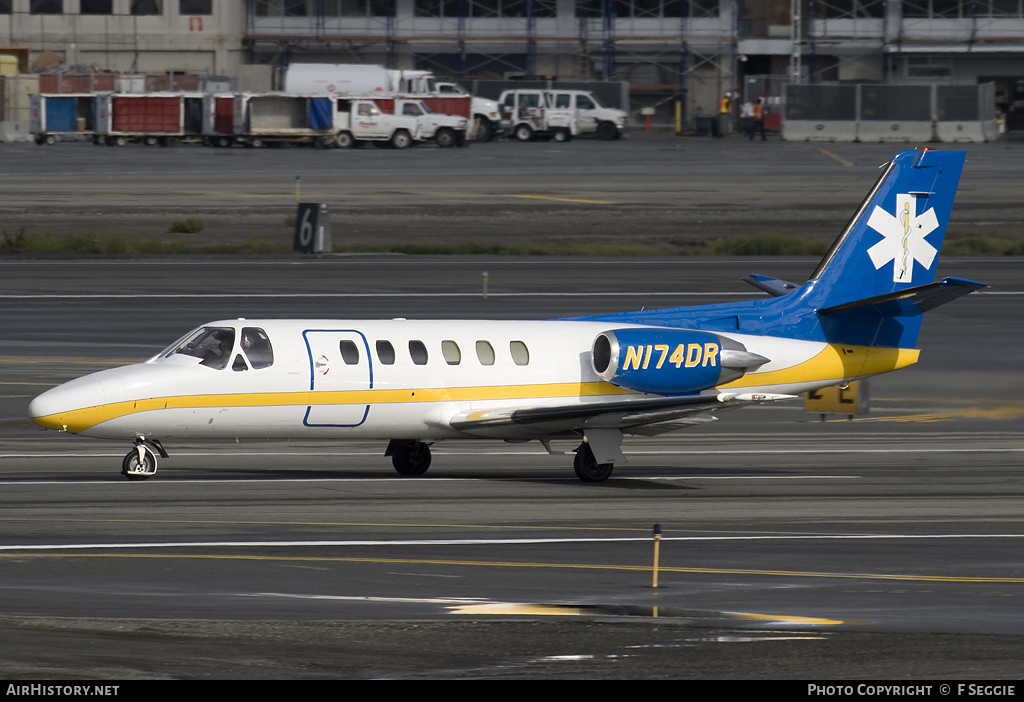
<point x="535" y="422"/>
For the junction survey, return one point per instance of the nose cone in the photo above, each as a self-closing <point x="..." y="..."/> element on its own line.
<point x="79" y="404"/>
<point x="44" y="410"/>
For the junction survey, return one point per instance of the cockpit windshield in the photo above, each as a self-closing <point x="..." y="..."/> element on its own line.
<point x="211" y="344"/>
<point x="214" y="346"/>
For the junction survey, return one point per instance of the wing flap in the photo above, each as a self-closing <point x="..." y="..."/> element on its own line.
<point x="534" y="422"/>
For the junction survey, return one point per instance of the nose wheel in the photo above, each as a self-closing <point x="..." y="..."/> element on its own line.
<point x="140" y="463"/>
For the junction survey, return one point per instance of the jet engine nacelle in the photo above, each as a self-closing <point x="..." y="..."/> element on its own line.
<point x="670" y="361"/>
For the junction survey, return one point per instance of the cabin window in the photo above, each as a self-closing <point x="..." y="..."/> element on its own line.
<point x="46" y="7"/>
<point x="146" y="7"/>
<point x="520" y="354"/>
<point x="211" y="344"/>
<point x="451" y="353"/>
<point x="418" y="352"/>
<point x="239" y="363"/>
<point x="257" y="348"/>
<point x="349" y="352"/>
<point x="95" y="7"/>
<point x="195" y="7"/>
<point x="386" y="352"/>
<point x="485" y="352"/>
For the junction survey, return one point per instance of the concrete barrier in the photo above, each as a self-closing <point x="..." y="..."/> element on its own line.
<point x="976" y="132"/>
<point x="819" y="130"/>
<point x="894" y="131"/>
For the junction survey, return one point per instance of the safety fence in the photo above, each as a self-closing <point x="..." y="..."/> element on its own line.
<point x="896" y="113"/>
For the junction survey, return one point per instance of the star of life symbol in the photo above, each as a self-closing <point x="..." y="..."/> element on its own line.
<point x="904" y="238"/>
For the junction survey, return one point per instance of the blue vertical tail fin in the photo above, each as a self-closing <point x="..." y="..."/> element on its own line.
<point x="893" y="241"/>
<point x="879" y="276"/>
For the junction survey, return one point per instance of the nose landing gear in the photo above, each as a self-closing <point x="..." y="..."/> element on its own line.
<point x="140" y="463"/>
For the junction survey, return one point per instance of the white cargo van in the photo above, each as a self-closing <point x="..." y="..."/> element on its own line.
<point x="527" y="116"/>
<point x="592" y="118"/>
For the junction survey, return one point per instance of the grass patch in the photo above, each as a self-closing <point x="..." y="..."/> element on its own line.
<point x="191" y="225"/>
<point x="983" y="246"/>
<point x="95" y="242"/>
<point x="767" y="245"/>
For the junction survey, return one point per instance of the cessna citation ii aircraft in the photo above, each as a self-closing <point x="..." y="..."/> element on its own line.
<point x="591" y="379"/>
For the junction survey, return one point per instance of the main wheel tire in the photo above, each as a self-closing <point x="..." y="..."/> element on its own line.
<point x="523" y="132"/>
<point x="588" y="469"/>
<point x="411" y="457"/>
<point x="401" y="139"/>
<point x="445" y="138"/>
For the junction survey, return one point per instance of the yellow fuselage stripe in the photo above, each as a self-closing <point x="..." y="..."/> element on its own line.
<point x="834" y="362"/>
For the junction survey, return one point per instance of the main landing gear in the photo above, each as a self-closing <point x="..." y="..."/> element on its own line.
<point x="413" y="458"/>
<point x="587" y="468"/>
<point x="409" y="457"/>
<point x="140" y="462"/>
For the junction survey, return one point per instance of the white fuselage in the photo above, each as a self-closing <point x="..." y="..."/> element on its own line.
<point x="337" y="379"/>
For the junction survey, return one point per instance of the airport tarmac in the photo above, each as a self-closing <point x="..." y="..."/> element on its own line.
<point x="650" y="192"/>
<point x="886" y="546"/>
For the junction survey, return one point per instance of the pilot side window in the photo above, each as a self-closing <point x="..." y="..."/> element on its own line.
<point x="349" y="352"/>
<point x="257" y="348"/>
<point x="520" y="354"/>
<point x="386" y="352"/>
<point x="451" y="353"/>
<point x="418" y="352"/>
<point x="485" y="352"/>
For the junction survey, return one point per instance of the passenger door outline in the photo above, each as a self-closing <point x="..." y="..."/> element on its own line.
<point x="329" y="373"/>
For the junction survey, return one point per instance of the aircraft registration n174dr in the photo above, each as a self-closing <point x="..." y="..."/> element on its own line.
<point x="591" y="379"/>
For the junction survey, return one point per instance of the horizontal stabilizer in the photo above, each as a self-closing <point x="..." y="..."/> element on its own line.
<point x="772" y="286"/>
<point x="910" y="301"/>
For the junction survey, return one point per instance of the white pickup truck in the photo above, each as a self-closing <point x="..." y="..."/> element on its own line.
<point x="445" y="130"/>
<point x="358" y="120"/>
<point x="397" y="121"/>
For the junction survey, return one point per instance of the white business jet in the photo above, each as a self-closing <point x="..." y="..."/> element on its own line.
<point x="591" y="379"/>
